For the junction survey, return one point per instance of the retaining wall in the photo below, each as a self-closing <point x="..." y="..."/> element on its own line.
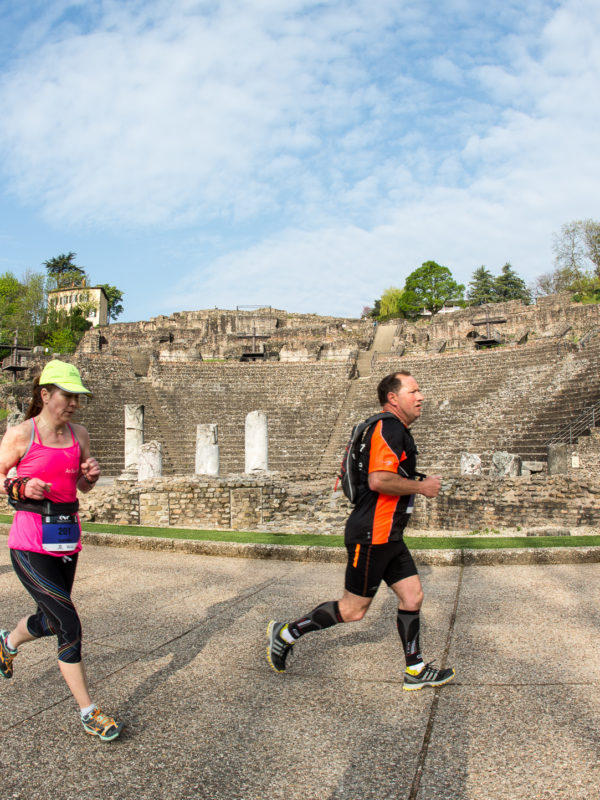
<point x="308" y="504"/>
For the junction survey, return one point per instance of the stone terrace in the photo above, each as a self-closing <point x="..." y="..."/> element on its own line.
<point x="510" y="398"/>
<point x="301" y="400"/>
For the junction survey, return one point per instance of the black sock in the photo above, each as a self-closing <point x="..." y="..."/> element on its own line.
<point x="408" y="623"/>
<point x="324" y="616"/>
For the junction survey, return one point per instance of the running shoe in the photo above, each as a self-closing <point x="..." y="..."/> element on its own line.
<point x="429" y="676"/>
<point x="99" y="724"/>
<point x="277" y="649"/>
<point x="6" y="655"/>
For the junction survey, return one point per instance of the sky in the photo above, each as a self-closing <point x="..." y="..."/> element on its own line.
<point x="294" y="154"/>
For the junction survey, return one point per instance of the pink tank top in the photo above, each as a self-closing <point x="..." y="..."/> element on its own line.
<point x="58" y="466"/>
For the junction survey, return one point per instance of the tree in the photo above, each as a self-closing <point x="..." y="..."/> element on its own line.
<point x="577" y="246"/>
<point x="562" y="279"/>
<point x="430" y="286"/>
<point x="10" y="295"/>
<point x="32" y="305"/>
<point x="62" y="271"/>
<point x="64" y="330"/>
<point x="509" y="286"/>
<point x="114" y="297"/>
<point x="389" y="304"/>
<point x="482" y="287"/>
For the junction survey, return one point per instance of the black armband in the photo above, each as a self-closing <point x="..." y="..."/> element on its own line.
<point x="15" y="487"/>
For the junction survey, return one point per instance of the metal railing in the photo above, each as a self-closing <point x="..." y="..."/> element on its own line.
<point x="569" y="433"/>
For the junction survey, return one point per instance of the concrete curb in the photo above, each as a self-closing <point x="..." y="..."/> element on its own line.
<point x="337" y="555"/>
<point x="439" y="558"/>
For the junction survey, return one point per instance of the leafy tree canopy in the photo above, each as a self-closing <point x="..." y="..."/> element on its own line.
<point x="389" y="304"/>
<point x="430" y="286"/>
<point x="577" y="246"/>
<point x="114" y="297"/>
<point x="577" y="258"/>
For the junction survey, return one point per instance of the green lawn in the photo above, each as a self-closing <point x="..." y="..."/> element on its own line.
<point x="311" y="540"/>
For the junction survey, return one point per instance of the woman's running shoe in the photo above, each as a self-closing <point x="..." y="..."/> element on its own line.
<point x="99" y="724"/>
<point x="6" y="655"/>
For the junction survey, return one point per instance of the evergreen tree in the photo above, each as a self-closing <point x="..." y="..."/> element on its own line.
<point x="509" y="286"/>
<point x="482" y="287"/>
<point x="63" y="271"/>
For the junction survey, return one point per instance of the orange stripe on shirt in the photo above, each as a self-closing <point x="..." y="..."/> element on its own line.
<point x="381" y="456"/>
<point x="384" y="518"/>
<point x="383" y="459"/>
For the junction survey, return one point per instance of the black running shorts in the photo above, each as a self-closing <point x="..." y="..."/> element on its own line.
<point x="369" y="564"/>
<point x="49" y="580"/>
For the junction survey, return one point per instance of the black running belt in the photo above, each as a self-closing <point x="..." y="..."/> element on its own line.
<point x="45" y="508"/>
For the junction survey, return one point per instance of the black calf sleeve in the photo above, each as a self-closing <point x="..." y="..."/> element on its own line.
<point x="409" y="624"/>
<point x="324" y="616"/>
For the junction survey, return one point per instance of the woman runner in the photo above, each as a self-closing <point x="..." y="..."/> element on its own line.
<point x="52" y="459"/>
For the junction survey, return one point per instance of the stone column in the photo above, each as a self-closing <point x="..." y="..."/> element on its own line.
<point x="134" y="439"/>
<point x="257" y="442"/>
<point x="150" y="463"/>
<point x="207" y="449"/>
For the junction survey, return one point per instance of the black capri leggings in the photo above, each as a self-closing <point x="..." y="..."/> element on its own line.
<point x="49" y="580"/>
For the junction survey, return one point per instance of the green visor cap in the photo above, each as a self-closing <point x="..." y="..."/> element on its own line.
<point x="65" y="376"/>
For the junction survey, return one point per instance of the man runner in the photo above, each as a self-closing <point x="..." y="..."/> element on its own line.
<point x="374" y="538"/>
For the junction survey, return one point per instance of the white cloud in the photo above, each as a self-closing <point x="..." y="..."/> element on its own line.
<point x="141" y="122"/>
<point x="325" y="149"/>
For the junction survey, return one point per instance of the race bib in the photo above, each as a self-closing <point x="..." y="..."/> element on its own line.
<point x="60" y="533"/>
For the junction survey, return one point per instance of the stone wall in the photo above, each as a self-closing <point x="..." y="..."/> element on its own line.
<point x="218" y="334"/>
<point x="308" y="504"/>
<point x="242" y="503"/>
<point x="585" y="455"/>
<point x="548" y="318"/>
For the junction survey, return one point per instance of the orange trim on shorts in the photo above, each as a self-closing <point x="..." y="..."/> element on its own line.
<point x="356" y="554"/>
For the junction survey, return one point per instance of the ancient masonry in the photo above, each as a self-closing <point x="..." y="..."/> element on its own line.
<point x="237" y="419"/>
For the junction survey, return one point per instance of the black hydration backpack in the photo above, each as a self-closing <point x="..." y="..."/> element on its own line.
<point x="352" y="466"/>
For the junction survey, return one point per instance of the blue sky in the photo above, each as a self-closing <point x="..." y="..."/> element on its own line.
<point x="303" y="155"/>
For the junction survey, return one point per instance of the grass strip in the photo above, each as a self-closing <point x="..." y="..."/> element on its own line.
<point x="323" y="540"/>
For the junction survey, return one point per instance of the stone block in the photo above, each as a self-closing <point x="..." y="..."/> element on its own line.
<point x="558" y="458"/>
<point x="505" y="465"/>
<point x="150" y="461"/>
<point x="470" y="464"/>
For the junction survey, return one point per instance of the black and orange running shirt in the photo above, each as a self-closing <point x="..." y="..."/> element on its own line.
<point x="381" y="518"/>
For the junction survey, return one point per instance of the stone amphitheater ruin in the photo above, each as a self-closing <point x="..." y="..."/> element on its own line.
<point x="314" y="377"/>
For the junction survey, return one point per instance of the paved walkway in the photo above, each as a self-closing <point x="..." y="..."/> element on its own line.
<point x="175" y="644"/>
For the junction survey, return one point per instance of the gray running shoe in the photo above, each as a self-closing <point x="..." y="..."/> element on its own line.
<point x="429" y="676"/>
<point x="6" y="655"/>
<point x="277" y="649"/>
